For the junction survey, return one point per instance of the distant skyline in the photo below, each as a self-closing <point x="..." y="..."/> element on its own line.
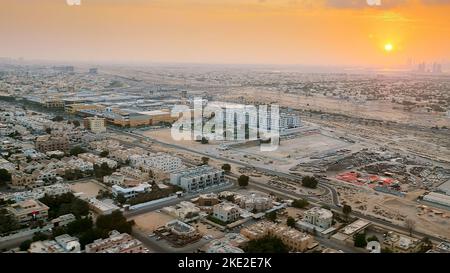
<point x="304" y="32"/>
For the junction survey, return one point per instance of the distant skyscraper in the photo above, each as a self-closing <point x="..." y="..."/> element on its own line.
<point x="422" y="67"/>
<point x="437" y="68"/>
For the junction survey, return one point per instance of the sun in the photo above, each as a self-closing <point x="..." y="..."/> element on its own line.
<point x="388" y="47"/>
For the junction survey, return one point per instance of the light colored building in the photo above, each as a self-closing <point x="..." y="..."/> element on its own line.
<point x="29" y="210"/>
<point x="222" y="247"/>
<point x="135" y="174"/>
<point x="254" y="202"/>
<point x="197" y="178"/>
<point x="401" y="243"/>
<point x="292" y="238"/>
<point x="183" y="211"/>
<point x="438" y="198"/>
<point x="317" y="217"/>
<point x="226" y="212"/>
<point x="97" y="160"/>
<point x="181" y="229"/>
<point x="95" y="124"/>
<point x="117" y="243"/>
<point x="63" y="220"/>
<point x="131" y="191"/>
<point x="115" y="178"/>
<point x="156" y="162"/>
<point x="62" y="244"/>
<point x="102" y="207"/>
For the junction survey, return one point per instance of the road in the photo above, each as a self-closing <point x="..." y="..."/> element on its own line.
<point x="335" y="206"/>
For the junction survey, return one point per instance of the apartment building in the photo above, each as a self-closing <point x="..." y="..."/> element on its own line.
<point x="21" y="180"/>
<point x="156" y="162"/>
<point x="29" y="210"/>
<point x="197" y="178"/>
<point x="226" y="212"/>
<point x="117" y="243"/>
<point x="49" y="143"/>
<point x="95" y="124"/>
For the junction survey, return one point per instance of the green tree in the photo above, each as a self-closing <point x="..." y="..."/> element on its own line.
<point x="243" y="180"/>
<point x="267" y="244"/>
<point x="272" y="216"/>
<point x="5" y="176"/>
<point x="372" y="238"/>
<point x="204" y="140"/>
<point x="309" y="182"/>
<point x="58" y="118"/>
<point x="226" y="167"/>
<point x="76" y="123"/>
<point x="77" y="150"/>
<point x="7" y="222"/>
<point x="25" y="245"/>
<point x="360" y="240"/>
<point x="205" y="160"/>
<point x="300" y="203"/>
<point x="346" y="209"/>
<point x="290" y="222"/>
<point x="114" y="221"/>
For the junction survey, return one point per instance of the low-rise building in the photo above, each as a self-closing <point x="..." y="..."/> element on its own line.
<point x="117" y="243"/>
<point x="317" y="218"/>
<point x="183" y="211"/>
<point x="29" y="210"/>
<point x="208" y="200"/>
<point x="62" y="244"/>
<point x="292" y="238"/>
<point x="226" y="212"/>
<point x="131" y="192"/>
<point x="254" y="202"/>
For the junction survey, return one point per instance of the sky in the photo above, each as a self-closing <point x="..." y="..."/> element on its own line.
<point x="307" y="32"/>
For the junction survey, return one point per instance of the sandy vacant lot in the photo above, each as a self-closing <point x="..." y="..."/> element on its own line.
<point x="87" y="189"/>
<point x="148" y="222"/>
<point x="397" y="209"/>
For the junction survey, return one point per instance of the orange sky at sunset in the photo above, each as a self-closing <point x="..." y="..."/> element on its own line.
<point x="321" y="32"/>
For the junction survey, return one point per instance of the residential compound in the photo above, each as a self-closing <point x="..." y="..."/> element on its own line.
<point x="292" y="238"/>
<point x="116" y="243"/>
<point x="197" y="178"/>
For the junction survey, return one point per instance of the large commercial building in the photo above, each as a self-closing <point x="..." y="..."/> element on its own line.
<point x="95" y="124"/>
<point x="29" y="210"/>
<point x="197" y="178"/>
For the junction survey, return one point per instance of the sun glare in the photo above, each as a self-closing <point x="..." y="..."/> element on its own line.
<point x="388" y="47"/>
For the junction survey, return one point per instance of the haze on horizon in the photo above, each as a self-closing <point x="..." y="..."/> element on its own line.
<point x="309" y="32"/>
